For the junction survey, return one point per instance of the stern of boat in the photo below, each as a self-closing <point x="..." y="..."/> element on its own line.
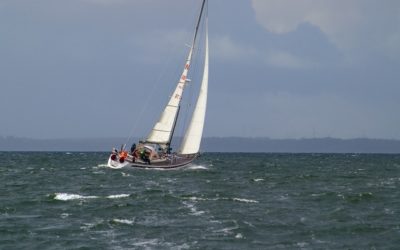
<point x="114" y="161"/>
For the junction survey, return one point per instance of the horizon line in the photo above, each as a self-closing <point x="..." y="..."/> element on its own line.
<point x="206" y="137"/>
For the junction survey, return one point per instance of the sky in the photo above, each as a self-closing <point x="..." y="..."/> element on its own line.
<point x="278" y="68"/>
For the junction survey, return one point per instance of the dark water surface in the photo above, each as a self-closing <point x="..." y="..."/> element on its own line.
<point x="224" y="201"/>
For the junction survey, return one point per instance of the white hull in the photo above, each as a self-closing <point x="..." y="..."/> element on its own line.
<point x="116" y="164"/>
<point x="175" y="161"/>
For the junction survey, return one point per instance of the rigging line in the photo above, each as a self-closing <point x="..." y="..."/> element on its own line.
<point x="156" y="83"/>
<point x="189" y="60"/>
<point x="146" y="104"/>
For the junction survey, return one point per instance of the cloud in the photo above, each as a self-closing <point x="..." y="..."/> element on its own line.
<point x="106" y="2"/>
<point x="349" y="24"/>
<point x="291" y="115"/>
<point x="284" y="59"/>
<point x="226" y="49"/>
<point x="151" y="50"/>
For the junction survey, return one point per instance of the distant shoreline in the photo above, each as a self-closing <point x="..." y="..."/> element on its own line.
<point x="214" y="144"/>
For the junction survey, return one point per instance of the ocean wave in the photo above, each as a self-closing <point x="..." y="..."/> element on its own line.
<point x="193" y="209"/>
<point x="222" y="198"/>
<point x="64" y="215"/>
<point x="245" y="200"/>
<point x="67" y="197"/>
<point x="229" y="230"/>
<point x="196" y="167"/>
<point x="147" y="243"/>
<point x="123" y="221"/>
<point x="116" y="196"/>
<point x="239" y="236"/>
<point x="89" y="226"/>
<point x="201" y="199"/>
<point x="102" y="166"/>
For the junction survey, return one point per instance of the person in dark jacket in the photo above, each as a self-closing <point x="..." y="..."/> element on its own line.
<point x="133" y="148"/>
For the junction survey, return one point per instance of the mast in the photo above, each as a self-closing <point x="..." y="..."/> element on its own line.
<point x="163" y="130"/>
<point x="198" y="23"/>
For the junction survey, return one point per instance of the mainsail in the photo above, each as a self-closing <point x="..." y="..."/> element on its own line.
<point x="163" y="130"/>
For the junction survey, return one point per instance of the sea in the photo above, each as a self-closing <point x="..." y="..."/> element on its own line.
<point x="72" y="200"/>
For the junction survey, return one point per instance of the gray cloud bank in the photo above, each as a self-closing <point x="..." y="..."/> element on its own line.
<point x="279" y="69"/>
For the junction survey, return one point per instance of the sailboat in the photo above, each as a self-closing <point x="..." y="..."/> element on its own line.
<point x="155" y="151"/>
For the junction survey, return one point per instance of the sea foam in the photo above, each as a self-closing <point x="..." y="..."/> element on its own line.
<point x="123" y="221"/>
<point x="67" y="197"/>
<point x="245" y="200"/>
<point x="196" y="167"/>
<point x="116" y="196"/>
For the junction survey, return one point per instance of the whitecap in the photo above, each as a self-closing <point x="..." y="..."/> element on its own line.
<point x="152" y="242"/>
<point x="302" y="244"/>
<point x="88" y="226"/>
<point x="248" y="223"/>
<point x="228" y="230"/>
<point x="123" y="221"/>
<point x="239" y="236"/>
<point x="102" y="165"/>
<point x="98" y="172"/>
<point x="64" y="215"/>
<point x="116" y="196"/>
<point x="193" y="198"/>
<point x="197" y="167"/>
<point x="318" y="195"/>
<point x="67" y="197"/>
<point x="245" y="200"/>
<point x="193" y="209"/>
<point x="258" y="179"/>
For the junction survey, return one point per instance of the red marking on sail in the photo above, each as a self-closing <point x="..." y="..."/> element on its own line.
<point x="187" y="66"/>
<point x="183" y="77"/>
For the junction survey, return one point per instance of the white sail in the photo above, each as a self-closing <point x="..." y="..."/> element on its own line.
<point x="145" y="155"/>
<point x="162" y="131"/>
<point x="192" y="139"/>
